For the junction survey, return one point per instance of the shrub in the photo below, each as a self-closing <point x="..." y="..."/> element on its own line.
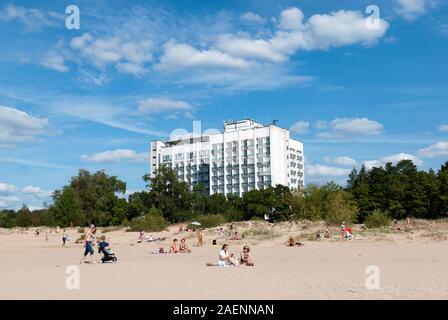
<point x="111" y="229"/>
<point x="377" y="219"/>
<point x="151" y="222"/>
<point x="233" y="215"/>
<point x="211" y="220"/>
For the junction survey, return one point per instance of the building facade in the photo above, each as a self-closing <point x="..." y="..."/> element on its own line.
<point x="245" y="156"/>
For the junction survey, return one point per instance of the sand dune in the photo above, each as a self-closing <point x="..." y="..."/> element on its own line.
<point x="412" y="266"/>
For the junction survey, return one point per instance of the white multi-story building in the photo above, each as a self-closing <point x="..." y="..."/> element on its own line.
<point x="244" y="157"/>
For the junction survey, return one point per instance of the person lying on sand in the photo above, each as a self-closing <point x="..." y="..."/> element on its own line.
<point x="173" y="247"/>
<point x="292" y="243"/>
<point x="245" y="257"/>
<point x="183" y="248"/>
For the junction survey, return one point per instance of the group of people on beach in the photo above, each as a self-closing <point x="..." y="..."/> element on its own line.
<point x="226" y="258"/>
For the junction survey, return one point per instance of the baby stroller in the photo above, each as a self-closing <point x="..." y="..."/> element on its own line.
<point x="108" y="255"/>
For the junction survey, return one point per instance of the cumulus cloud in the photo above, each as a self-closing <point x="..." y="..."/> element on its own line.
<point x="54" y="61"/>
<point x="127" y="56"/>
<point x="443" y="128"/>
<point x="252" y="17"/>
<point x="180" y="56"/>
<point x="293" y="33"/>
<point x="6" y="188"/>
<point x="395" y="158"/>
<point x="439" y="149"/>
<point x="340" y="128"/>
<point x="325" y="171"/>
<point x="411" y="9"/>
<point x="36" y="191"/>
<point x="357" y="125"/>
<point x="342" y="161"/>
<point x="8" y="201"/>
<point x="320" y="32"/>
<point x="300" y="127"/>
<point x="118" y="155"/>
<point x="18" y="126"/>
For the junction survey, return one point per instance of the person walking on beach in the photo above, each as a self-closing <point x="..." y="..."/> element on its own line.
<point x="65" y="238"/>
<point x="88" y="243"/>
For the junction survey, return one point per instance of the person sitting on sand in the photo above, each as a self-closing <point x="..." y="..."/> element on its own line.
<point x="327" y="233"/>
<point x="290" y="242"/>
<point x="226" y="257"/>
<point x="183" y="247"/>
<point x="235" y="236"/>
<point x="173" y="247"/>
<point x="141" y="237"/>
<point x="348" y="233"/>
<point x="245" y="257"/>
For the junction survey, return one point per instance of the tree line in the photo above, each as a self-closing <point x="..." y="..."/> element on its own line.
<point x="388" y="192"/>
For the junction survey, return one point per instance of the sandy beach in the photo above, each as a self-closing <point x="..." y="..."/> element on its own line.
<point x="412" y="266"/>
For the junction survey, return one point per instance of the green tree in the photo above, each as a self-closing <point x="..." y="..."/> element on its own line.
<point x="24" y="218"/>
<point x="67" y="209"/>
<point x="97" y="194"/>
<point x="168" y="194"/>
<point x="442" y="177"/>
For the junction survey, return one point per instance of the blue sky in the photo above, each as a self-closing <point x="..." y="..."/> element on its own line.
<point x="354" y="91"/>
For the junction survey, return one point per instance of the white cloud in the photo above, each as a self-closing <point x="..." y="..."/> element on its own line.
<point x="443" y="128"/>
<point x="320" y="124"/>
<point x="291" y="19"/>
<point x="245" y="47"/>
<point x="18" y="126"/>
<point x="342" y="161"/>
<point x="180" y="56"/>
<point x="252" y="17"/>
<point x="55" y="61"/>
<point x="320" y="32"/>
<point x="439" y="149"/>
<point x="411" y="9"/>
<point x="117" y="155"/>
<point x="325" y="171"/>
<point x="163" y="104"/>
<point x="357" y="125"/>
<point x="128" y="56"/>
<point x="341" y="128"/>
<point x="6" y="188"/>
<point x="300" y="127"/>
<point x="8" y="201"/>
<point x="395" y="158"/>
<point x="36" y="191"/>
<point x="32" y="19"/>
<point x="241" y="50"/>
